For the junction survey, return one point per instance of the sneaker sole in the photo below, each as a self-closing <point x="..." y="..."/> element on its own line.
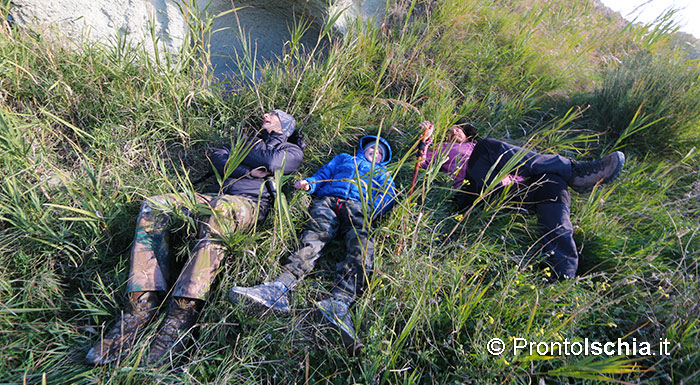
<point x="352" y="345"/>
<point x="618" y="170"/>
<point x="243" y="300"/>
<point x="99" y="361"/>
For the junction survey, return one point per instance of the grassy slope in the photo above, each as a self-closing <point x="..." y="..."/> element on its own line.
<point x="85" y="135"/>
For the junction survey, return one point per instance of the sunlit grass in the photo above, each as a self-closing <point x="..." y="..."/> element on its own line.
<point x="86" y="134"/>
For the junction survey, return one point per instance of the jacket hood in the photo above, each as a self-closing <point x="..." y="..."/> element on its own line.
<point x="370" y="140"/>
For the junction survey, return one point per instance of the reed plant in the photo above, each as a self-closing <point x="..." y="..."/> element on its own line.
<point x="88" y="133"/>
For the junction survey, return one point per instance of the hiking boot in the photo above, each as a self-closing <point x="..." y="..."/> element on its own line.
<point x="271" y="295"/>
<point x="140" y="310"/>
<point x="181" y="316"/>
<point x="337" y="314"/>
<point x="585" y="175"/>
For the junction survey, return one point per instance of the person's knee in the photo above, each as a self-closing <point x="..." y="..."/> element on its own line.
<point x="224" y="211"/>
<point x="551" y="189"/>
<point x="316" y="237"/>
<point x="224" y="202"/>
<point x="321" y="225"/>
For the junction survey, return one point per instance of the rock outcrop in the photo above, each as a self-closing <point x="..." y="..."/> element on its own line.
<point x="103" y="20"/>
<point x="263" y="26"/>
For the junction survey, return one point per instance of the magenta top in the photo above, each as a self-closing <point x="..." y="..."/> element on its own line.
<point x="456" y="165"/>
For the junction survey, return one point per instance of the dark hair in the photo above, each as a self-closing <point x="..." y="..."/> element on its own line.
<point x="468" y="129"/>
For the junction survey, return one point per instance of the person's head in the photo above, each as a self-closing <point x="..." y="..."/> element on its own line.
<point x="462" y="132"/>
<point x="375" y="149"/>
<point x="280" y="122"/>
<point x="374" y="153"/>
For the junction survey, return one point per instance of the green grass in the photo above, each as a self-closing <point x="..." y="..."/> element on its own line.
<point x="86" y="134"/>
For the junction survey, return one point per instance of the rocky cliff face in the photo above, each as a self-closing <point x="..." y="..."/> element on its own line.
<point x="102" y="20"/>
<point x="260" y="25"/>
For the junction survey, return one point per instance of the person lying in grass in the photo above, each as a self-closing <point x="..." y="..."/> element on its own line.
<point x="241" y="202"/>
<point x="348" y="190"/>
<point x="540" y="181"/>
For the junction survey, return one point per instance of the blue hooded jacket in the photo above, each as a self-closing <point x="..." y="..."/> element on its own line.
<point x="343" y="174"/>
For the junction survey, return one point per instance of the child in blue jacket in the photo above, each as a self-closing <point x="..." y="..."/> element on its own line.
<point x="348" y="190"/>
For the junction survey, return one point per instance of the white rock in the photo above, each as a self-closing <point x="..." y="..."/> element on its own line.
<point x="264" y="24"/>
<point x="101" y="20"/>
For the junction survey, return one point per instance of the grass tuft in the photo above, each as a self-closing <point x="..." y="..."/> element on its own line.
<point x="87" y="133"/>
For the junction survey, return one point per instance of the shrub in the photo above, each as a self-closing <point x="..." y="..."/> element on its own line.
<point x="648" y="102"/>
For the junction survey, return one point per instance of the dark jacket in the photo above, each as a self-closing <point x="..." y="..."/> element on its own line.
<point x="268" y="152"/>
<point x="343" y="174"/>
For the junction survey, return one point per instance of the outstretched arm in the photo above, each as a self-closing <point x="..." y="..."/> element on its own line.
<point x="325" y="173"/>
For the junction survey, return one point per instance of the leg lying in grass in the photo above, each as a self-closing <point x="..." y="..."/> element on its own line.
<point x="236" y="208"/>
<point x="339" y="207"/>
<point x="539" y="180"/>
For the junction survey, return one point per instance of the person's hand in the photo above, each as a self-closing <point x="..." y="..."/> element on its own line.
<point x="302" y="185"/>
<point x="427" y="127"/>
<point x="258" y="173"/>
<point x="509" y="179"/>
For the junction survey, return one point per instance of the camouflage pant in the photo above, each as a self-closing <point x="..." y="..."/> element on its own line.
<point x="330" y="215"/>
<point x="222" y="214"/>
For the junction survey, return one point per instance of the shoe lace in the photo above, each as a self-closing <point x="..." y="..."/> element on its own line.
<point x="277" y="291"/>
<point x="179" y="319"/>
<point x="587" y="168"/>
<point x="164" y="341"/>
<point x="130" y="320"/>
<point x="134" y="318"/>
